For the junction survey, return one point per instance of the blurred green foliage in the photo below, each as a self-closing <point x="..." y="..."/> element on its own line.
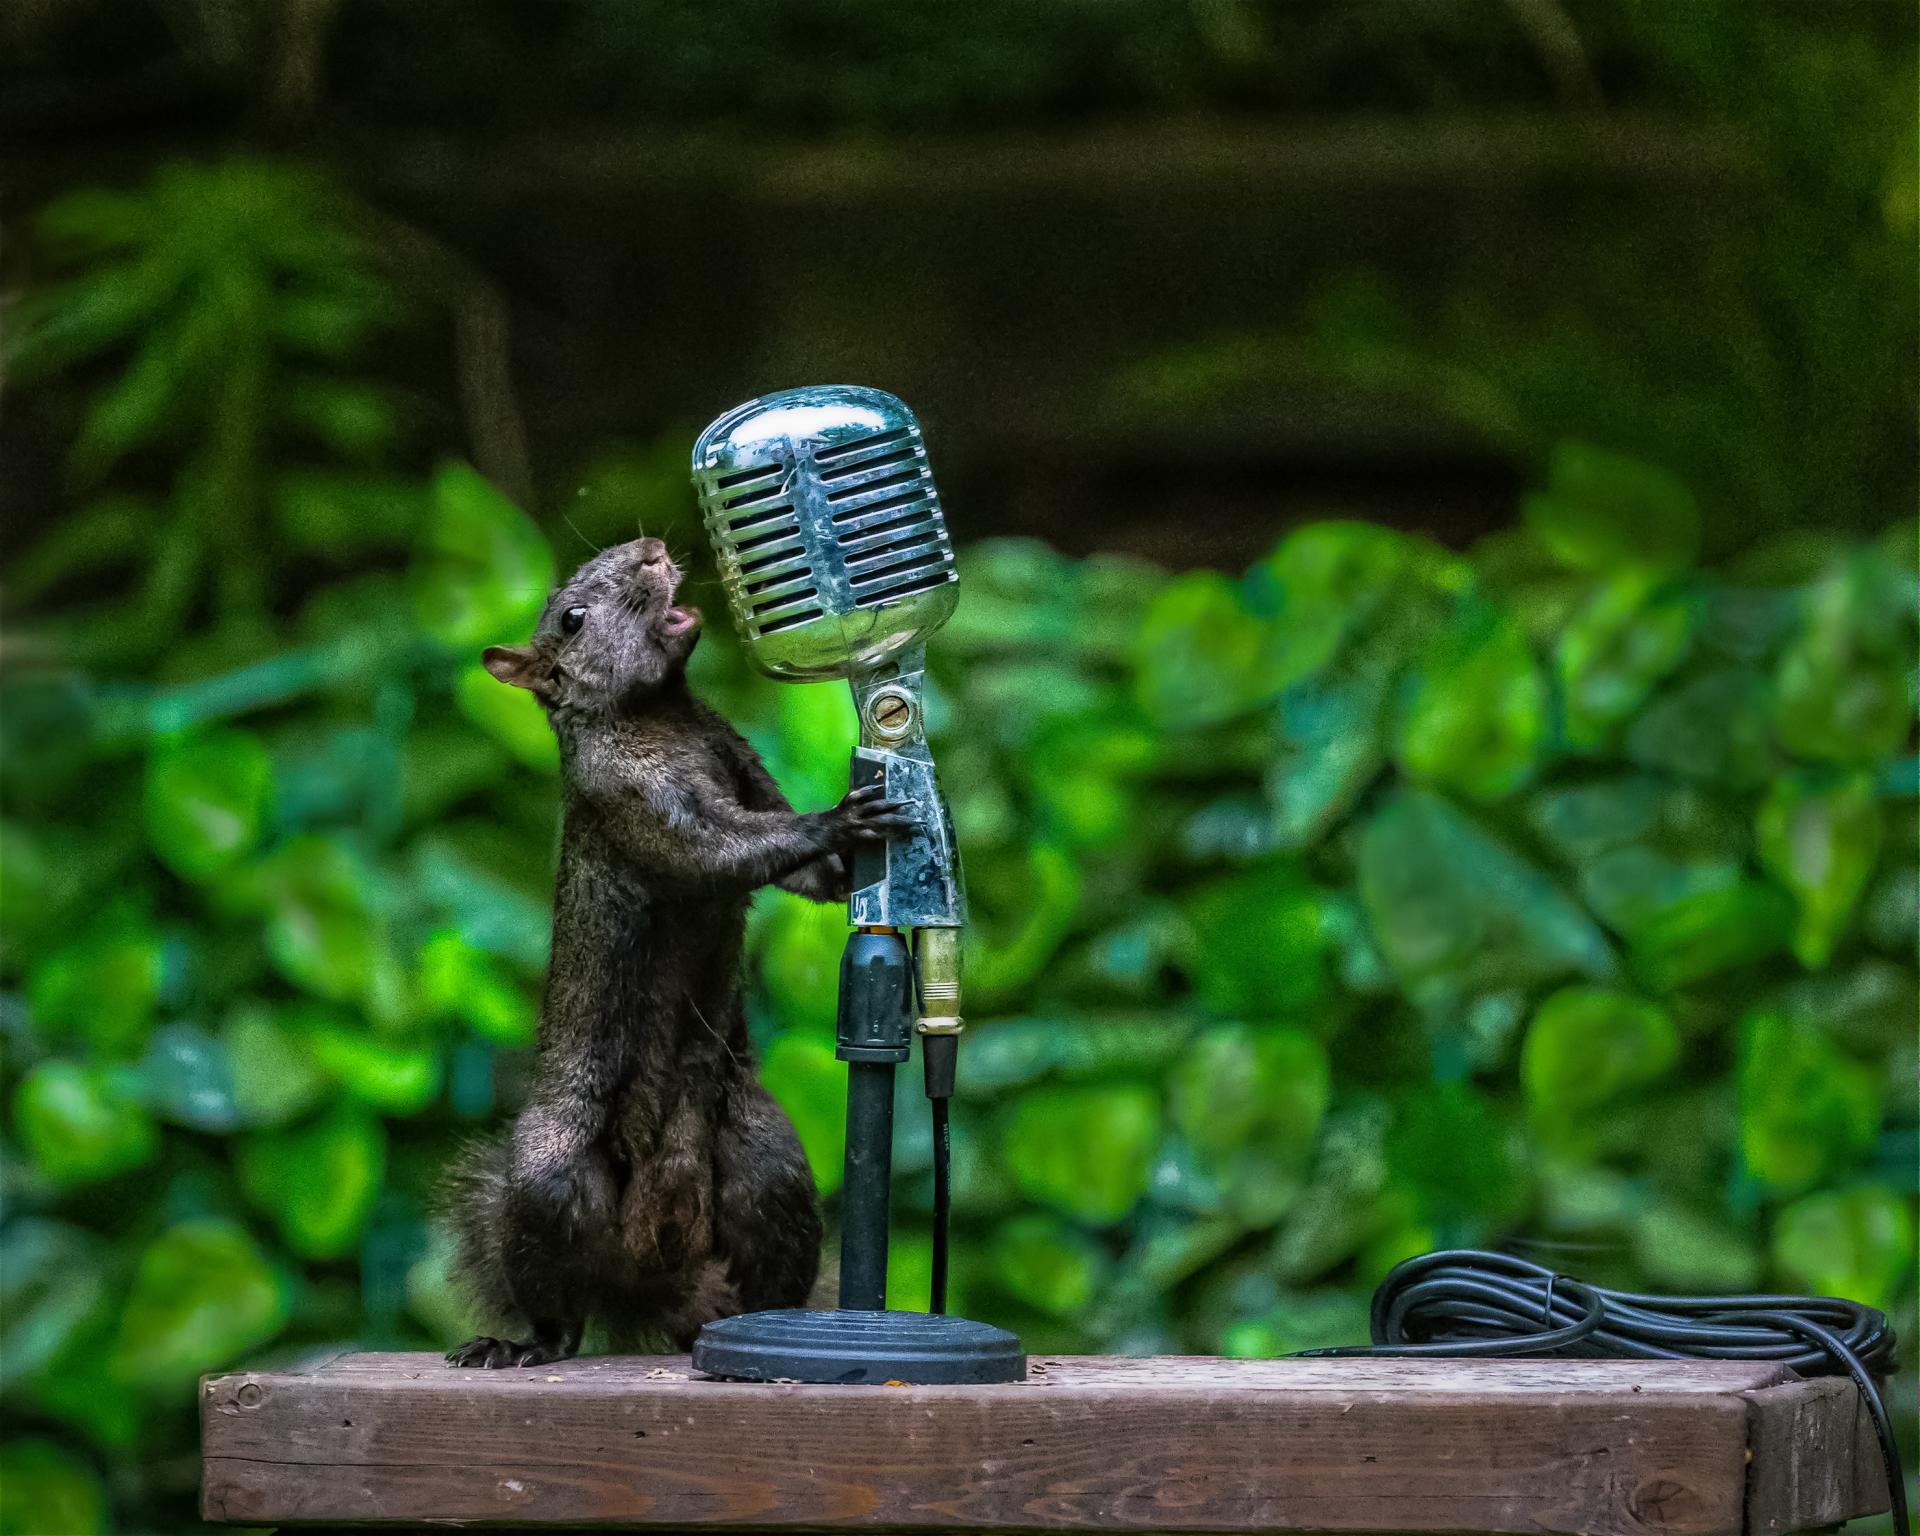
<point x="1373" y="898"/>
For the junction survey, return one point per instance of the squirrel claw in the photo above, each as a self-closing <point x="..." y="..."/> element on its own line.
<point x="490" y="1354"/>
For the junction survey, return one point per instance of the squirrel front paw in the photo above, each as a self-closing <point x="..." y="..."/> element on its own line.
<point x="823" y="878"/>
<point x="867" y="816"/>
<point x="487" y="1354"/>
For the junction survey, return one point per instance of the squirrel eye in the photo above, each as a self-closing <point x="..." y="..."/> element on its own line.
<point x="571" y="620"/>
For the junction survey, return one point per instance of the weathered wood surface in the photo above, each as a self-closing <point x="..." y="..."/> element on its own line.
<point x="1603" y="1448"/>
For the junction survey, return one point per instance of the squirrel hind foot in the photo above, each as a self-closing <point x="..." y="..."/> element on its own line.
<point x="491" y="1354"/>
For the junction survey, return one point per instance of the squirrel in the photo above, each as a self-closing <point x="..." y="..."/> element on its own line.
<point x="650" y="1182"/>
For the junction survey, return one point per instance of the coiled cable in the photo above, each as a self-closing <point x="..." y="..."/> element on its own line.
<point x="1466" y="1303"/>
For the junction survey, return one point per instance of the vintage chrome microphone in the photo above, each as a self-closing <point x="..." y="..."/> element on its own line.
<point x="834" y="554"/>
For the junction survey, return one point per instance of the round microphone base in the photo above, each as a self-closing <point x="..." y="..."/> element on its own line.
<point x="793" y="1344"/>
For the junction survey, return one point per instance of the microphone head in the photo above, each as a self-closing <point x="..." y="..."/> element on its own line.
<point x="827" y="529"/>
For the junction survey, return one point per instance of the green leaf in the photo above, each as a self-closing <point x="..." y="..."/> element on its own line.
<point x="461" y="981"/>
<point x="1868" y="1007"/>
<point x="1586" y="1044"/>
<point x="168" y="368"/>
<point x="1828" y="711"/>
<point x="1683" y="1250"/>
<point x="1136" y="960"/>
<point x="322" y="933"/>
<point x="484" y="569"/>
<point x="1260" y="946"/>
<point x="1003" y="1054"/>
<point x="339" y="514"/>
<point x="80" y="1124"/>
<point x="1318" y="1321"/>
<point x="1087" y="1047"/>
<point x="1201" y="657"/>
<point x="319" y="1181"/>
<point x="1716" y="727"/>
<point x="1856" y="1243"/>
<point x="1086" y="1151"/>
<point x="93" y="221"/>
<point x="391" y="1078"/>
<point x="275" y="1076"/>
<point x="1115" y="592"/>
<point x="1019" y="599"/>
<point x="1339" y="1208"/>
<point x="80" y="1387"/>
<point x="1820" y="840"/>
<point x="817" y="729"/>
<point x="1328" y="748"/>
<point x="1477" y="718"/>
<point x="1590" y="819"/>
<point x="1050" y="901"/>
<point x="1604" y="511"/>
<point x="1719" y="928"/>
<point x="203" y="1293"/>
<point x="1892" y="914"/>
<point x="800" y="962"/>
<point x="189" y="1080"/>
<point x="102" y="989"/>
<point x="1632" y="889"/>
<point x="1047" y="1264"/>
<point x="1262" y="1180"/>
<point x="349" y="418"/>
<point x="1629" y="636"/>
<point x="511" y="716"/>
<point x="801" y="1071"/>
<point x="1324" y="582"/>
<point x="1462" y="1163"/>
<point x="1236" y="1084"/>
<point x="1806" y="1111"/>
<point x="53" y="1287"/>
<point x="72" y="321"/>
<point x="1844" y="685"/>
<point x="331" y="324"/>
<point x="48" y="1491"/>
<point x="1457" y="913"/>
<point x="1090" y="1047"/>
<point x="208" y="798"/>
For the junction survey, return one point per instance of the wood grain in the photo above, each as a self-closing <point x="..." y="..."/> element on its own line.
<point x="1815" y="1459"/>
<point x="1607" y="1448"/>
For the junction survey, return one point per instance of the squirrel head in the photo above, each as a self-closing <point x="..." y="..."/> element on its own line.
<point x="610" y="638"/>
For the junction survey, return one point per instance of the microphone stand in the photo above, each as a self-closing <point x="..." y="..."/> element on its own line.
<point x="888" y="993"/>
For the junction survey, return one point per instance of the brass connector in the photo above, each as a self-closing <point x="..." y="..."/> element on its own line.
<point x="936" y="955"/>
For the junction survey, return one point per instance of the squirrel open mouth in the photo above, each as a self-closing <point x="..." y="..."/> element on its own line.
<point x="678" y="620"/>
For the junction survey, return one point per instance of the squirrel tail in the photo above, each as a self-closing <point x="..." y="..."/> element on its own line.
<point x="472" y="1207"/>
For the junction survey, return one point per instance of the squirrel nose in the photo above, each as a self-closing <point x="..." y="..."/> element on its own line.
<point x="652" y="552"/>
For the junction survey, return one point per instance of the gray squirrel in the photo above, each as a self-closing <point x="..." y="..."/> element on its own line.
<point x="649" y="1182"/>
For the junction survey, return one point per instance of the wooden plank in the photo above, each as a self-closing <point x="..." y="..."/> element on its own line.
<point x="1815" y="1461"/>
<point x="1607" y="1448"/>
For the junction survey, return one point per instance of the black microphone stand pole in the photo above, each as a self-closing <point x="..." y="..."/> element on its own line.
<point x="875" y="1036"/>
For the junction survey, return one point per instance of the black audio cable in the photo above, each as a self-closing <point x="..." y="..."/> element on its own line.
<point x="942" y="1204"/>
<point x="939" y="1052"/>
<point x="1465" y="1303"/>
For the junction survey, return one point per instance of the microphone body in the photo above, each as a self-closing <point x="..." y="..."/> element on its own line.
<point x="834" y="555"/>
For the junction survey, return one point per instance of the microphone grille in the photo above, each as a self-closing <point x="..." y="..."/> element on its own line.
<point x="764" y="560"/>
<point x="826" y="525"/>
<point x="886" y="517"/>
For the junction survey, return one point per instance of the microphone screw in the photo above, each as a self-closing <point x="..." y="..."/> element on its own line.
<point x="890" y="713"/>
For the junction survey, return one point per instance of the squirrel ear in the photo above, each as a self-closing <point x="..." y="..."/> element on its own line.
<point x="522" y="666"/>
